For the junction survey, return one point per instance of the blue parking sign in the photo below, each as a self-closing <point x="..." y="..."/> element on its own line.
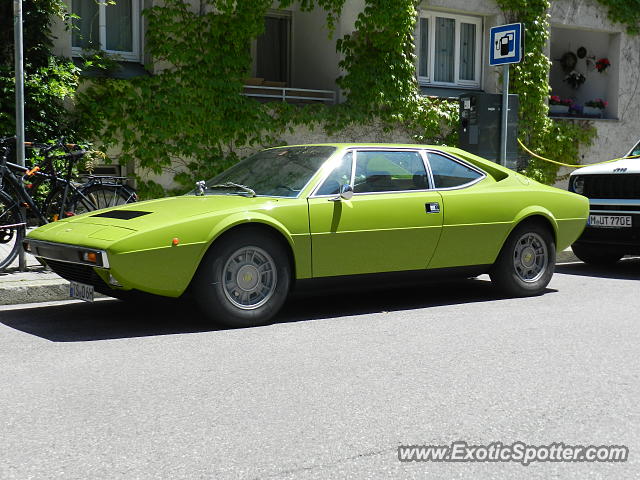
<point x="505" y="44"/>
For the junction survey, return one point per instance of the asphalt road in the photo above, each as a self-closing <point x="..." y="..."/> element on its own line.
<point x="90" y="391"/>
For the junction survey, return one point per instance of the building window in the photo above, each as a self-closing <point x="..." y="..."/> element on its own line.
<point x="449" y="49"/>
<point x="110" y="26"/>
<point x="271" y="51"/>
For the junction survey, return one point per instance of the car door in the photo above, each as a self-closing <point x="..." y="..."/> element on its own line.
<point x="392" y="222"/>
<point x="477" y="217"/>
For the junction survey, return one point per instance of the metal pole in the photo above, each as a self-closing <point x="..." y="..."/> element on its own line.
<point x="505" y="114"/>
<point x="17" y="40"/>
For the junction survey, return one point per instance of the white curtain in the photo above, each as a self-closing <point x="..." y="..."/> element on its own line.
<point x="119" y="26"/>
<point x="467" y="51"/>
<point x="444" y="50"/>
<point x="423" y="57"/>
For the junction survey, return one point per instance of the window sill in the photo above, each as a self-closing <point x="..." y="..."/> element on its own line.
<point x="446" y="92"/>
<point x="577" y="117"/>
<point x="124" y="70"/>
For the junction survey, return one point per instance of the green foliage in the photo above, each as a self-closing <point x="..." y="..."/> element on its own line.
<point x="192" y="116"/>
<point x="49" y="80"/>
<point x="558" y="140"/>
<point x="626" y="12"/>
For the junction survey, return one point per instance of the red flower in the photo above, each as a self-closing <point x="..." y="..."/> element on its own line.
<point x="602" y="64"/>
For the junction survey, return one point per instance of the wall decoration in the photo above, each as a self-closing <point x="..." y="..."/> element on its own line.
<point x="568" y="61"/>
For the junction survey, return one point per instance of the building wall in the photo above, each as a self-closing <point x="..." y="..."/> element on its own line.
<point x="315" y="63"/>
<point x="616" y="136"/>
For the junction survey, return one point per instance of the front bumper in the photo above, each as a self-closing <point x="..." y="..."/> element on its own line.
<point x="67" y="253"/>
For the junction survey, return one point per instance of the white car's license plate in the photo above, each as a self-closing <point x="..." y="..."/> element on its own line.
<point x="81" y="291"/>
<point x="610" y="221"/>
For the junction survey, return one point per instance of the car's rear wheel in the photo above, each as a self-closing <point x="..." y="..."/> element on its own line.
<point x="244" y="279"/>
<point x="526" y="262"/>
<point x="596" y="255"/>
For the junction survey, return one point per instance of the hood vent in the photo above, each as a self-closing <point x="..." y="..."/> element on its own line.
<point x="122" y="214"/>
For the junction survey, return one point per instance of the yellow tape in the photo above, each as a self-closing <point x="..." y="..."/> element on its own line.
<point x="567" y="164"/>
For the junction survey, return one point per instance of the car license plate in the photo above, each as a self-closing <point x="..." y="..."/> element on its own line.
<point x="81" y="291"/>
<point x="610" y="221"/>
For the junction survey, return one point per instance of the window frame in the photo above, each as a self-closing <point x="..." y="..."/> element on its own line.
<point x="132" y="56"/>
<point x="423" y="152"/>
<point x="455" y="159"/>
<point x="354" y="150"/>
<point x="430" y="16"/>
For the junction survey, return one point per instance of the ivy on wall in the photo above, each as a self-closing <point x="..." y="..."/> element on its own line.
<point x="626" y="12"/>
<point x="191" y="116"/>
<point x="48" y="81"/>
<point x="556" y="139"/>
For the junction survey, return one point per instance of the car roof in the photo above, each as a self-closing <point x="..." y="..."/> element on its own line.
<point x="373" y="145"/>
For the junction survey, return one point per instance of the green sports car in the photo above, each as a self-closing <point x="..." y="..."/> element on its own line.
<point x="240" y="242"/>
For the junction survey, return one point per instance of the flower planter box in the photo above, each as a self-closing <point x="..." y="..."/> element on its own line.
<point x="558" y="109"/>
<point x="592" y="112"/>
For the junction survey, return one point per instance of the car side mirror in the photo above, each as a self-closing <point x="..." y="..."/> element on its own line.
<point x="346" y="193"/>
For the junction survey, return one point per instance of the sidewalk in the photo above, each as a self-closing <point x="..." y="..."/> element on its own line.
<point x="39" y="284"/>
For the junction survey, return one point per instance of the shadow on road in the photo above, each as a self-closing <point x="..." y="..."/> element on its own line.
<point x="113" y="319"/>
<point x="625" y="269"/>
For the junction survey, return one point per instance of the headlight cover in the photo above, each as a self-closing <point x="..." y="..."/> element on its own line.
<point x="577" y="184"/>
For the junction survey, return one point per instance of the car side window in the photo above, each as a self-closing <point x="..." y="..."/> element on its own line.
<point x="389" y="171"/>
<point x="448" y="173"/>
<point x="341" y="175"/>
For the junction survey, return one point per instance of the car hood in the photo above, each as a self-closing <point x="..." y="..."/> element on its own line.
<point x="115" y="223"/>
<point x="631" y="165"/>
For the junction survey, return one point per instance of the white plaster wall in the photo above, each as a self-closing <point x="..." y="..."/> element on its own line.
<point x="615" y="138"/>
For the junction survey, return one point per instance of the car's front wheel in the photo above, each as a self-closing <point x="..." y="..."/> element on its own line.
<point x="244" y="279"/>
<point x="595" y="255"/>
<point x="526" y="262"/>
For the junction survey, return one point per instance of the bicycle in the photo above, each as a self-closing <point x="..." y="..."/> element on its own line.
<point x="65" y="198"/>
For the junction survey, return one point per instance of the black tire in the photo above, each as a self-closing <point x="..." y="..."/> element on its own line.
<point x="12" y="228"/>
<point x="98" y="196"/>
<point x="254" y="299"/>
<point x="596" y="255"/>
<point x="526" y="262"/>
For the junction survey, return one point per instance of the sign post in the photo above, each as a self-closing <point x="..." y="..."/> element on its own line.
<point x="506" y="47"/>
<point x="17" y="42"/>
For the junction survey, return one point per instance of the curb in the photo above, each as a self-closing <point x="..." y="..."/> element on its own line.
<point x="32" y="287"/>
<point x="566" y="256"/>
<point x="41" y="285"/>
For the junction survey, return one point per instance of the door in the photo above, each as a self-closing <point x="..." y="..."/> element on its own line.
<point x="392" y="223"/>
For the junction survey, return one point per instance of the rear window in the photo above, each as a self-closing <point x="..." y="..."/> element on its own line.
<point x="448" y="173"/>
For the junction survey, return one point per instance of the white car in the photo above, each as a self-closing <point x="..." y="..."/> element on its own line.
<point x="613" y="226"/>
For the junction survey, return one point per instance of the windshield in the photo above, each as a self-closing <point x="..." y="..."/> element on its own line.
<point x="635" y="151"/>
<point x="278" y="172"/>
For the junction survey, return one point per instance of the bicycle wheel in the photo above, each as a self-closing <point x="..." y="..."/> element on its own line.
<point x="95" y="197"/>
<point x="12" y="228"/>
<point x="52" y="204"/>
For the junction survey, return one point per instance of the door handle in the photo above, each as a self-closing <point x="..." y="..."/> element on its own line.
<point x="433" y="207"/>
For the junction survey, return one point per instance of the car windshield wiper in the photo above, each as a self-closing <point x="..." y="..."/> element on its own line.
<point x="237" y="186"/>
